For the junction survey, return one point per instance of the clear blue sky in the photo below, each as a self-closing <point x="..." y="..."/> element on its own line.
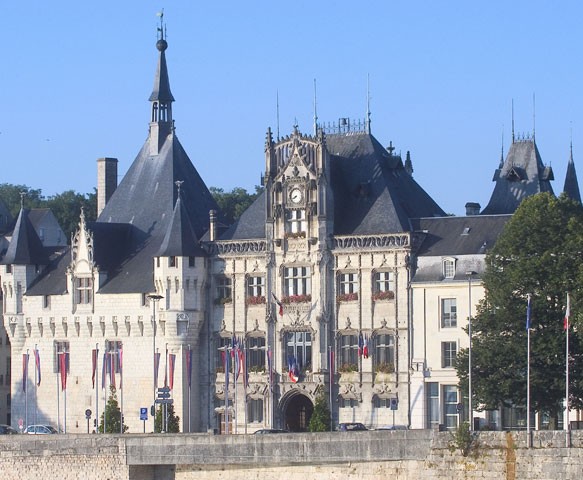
<point x="77" y="75"/>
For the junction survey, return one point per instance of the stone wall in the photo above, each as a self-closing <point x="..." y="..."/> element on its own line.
<point x="402" y="455"/>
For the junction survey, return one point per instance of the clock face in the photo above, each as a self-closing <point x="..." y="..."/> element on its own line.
<point x="296" y="195"/>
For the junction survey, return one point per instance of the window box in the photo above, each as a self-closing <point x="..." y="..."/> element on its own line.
<point x="347" y="297"/>
<point x="296" y="299"/>
<point x="295" y="234"/>
<point x="385" y="367"/>
<point x="256" y="300"/>
<point x="348" y="368"/>
<point x="387" y="295"/>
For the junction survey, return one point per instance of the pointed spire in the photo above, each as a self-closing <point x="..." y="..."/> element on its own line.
<point x="571" y="188"/>
<point x="408" y="163"/>
<point x="25" y="247"/>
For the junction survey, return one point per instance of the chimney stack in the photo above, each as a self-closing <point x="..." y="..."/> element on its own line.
<point x="472" y="208"/>
<point x="106" y="181"/>
<point x="213" y="225"/>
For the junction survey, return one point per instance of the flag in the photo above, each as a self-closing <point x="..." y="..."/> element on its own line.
<point x="528" y="312"/>
<point x="120" y="362"/>
<point x="104" y="371"/>
<point x="37" y="366"/>
<point x="280" y="305"/>
<point x="236" y="361"/>
<point x="24" y="371"/>
<point x="189" y="366"/>
<point x="112" y="368"/>
<point x="171" y="366"/>
<point x="293" y="369"/>
<point x="365" y="347"/>
<point x="93" y="365"/>
<point x="567" y="313"/>
<point x="360" y="344"/>
<point x="156" y="367"/>
<point x="63" y="357"/>
<point x="227" y="368"/>
<point x="243" y="363"/>
<point x="166" y="371"/>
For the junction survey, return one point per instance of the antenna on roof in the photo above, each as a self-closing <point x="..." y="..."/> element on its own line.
<point x="512" y="120"/>
<point x="368" y="103"/>
<point x="502" y="151"/>
<point x="571" y="141"/>
<point x="533" y="116"/>
<point x="277" y="112"/>
<point x="315" y="111"/>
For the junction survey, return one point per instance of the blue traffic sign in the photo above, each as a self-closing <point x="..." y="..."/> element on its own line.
<point x="143" y="413"/>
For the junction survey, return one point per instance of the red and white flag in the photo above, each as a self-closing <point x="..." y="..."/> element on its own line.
<point x="567" y="314"/>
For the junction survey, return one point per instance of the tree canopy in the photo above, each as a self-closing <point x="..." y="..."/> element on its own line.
<point x="235" y="202"/>
<point x="539" y="253"/>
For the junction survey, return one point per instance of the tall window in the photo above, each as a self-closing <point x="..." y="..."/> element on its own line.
<point x="83" y="291"/>
<point x="349" y="350"/>
<point x="450" y="401"/>
<point x="224" y="289"/>
<point x="348" y="283"/>
<point x="384" y="282"/>
<point x="113" y="349"/>
<point x="449" y="268"/>
<point x="448" y="354"/>
<point x="172" y="261"/>
<point x="384" y="349"/>
<point x="432" y="404"/>
<point x="60" y="349"/>
<point x="256" y="353"/>
<point x="448" y="312"/>
<point x="299" y="346"/>
<point x="297" y="281"/>
<point x="256" y="286"/>
<point x="255" y="410"/>
<point x="297" y="221"/>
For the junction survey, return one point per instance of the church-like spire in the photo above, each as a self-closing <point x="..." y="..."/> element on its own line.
<point x="161" y="123"/>
<point x="571" y="188"/>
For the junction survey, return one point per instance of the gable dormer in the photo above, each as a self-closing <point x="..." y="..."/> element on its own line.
<point x="82" y="270"/>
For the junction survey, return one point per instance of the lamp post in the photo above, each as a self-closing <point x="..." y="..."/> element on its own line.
<point x="155" y="298"/>
<point x="470" y="407"/>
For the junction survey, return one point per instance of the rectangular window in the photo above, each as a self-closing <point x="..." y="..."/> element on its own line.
<point x="255" y="410"/>
<point x="297" y="281"/>
<point x="297" y="221"/>
<point x="347" y="402"/>
<point x="450" y="401"/>
<point x="432" y="404"/>
<point x="172" y="262"/>
<point x="113" y="350"/>
<point x="348" y="283"/>
<point x="46" y="301"/>
<point x="256" y="286"/>
<point x="61" y="348"/>
<point x="382" y="402"/>
<point x="448" y="313"/>
<point x="348" y="351"/>
<point x="256" y="354"/>
<point x="384" y="351"/>
<point x="191" y="261"/>
<point x="299" y="346"/>
<point x="384" y="282"/>
<point x="448" y="354"/>
<point x="224" y="290"/>
<point x="449" y="268"/>
<point x="83" y="291"/>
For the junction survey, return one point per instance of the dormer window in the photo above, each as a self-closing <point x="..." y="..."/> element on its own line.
<point x="172" y="262"/>
<point x="296" y="223"/>
<point x="83" y="291"/>
<point x="448" y="267"/>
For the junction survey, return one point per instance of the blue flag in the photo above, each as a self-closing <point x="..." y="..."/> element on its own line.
<point x="528" y="312"/>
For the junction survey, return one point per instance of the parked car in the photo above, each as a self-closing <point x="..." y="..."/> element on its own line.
<point x="267" y="431"/>
<point x="40" y="430"/>
<point x="7" y="430"/>
<point x="393" y="427"/>
<point x="351" y="427"/>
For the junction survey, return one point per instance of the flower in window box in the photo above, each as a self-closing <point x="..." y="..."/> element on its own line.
<point x="385" y="367"/>
<point x="386" y="295"/>
<point x="348" y="367"/>
<point x="296" y="299"/>
<point x="220" y="369"/>
<point x="256" y="300"/>
<point x="295" y="234"/>
<point x="347" y="297"/>
<point x="257" y="369"/>
<point x="223" y="300"/>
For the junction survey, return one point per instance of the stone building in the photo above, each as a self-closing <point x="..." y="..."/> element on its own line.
<point x="344" y="279"/>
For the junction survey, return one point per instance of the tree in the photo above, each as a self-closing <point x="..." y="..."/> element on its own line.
<point x="11" y="195"/>
<point x="112" y="414"/>
<point x="173" y="420"/>
<point x="235" y="202"/>
<point x="320" y="419"/>
<point x="67" y="206"/>
<point x="539" y="253"/>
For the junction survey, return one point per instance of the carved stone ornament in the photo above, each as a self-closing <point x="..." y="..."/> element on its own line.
<point x="238" y="247"/>
<point x="350" y="390"/>
<point x="371" y="241"/>
<point x="382" y="390"/>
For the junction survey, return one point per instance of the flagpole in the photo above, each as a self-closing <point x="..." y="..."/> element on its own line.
<point x="566" y="420"/>
<point x="331" y="379"/>
<point x="58" y="393"/>
<point x="528" y="443"/>
<point x="189" y="371"/>
<point x="35" y="381"/>
<point x="65" y="393"/>
<point x="97" y="388"/>
<point x="26" y="393"/>
<point x="120" y="360"/>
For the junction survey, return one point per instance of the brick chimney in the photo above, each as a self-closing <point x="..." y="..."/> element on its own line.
<point x="106" y="181"/>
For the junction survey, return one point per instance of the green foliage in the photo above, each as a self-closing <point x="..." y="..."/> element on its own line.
<point x="320" y="419"/>
<point x="66" y="206"/>
<point x="539" y="253"/>
<point x="463" y="440"/>
<point x="112" y="414"/>
<point x="235" y="202"/>
<point x="173" y="419"/>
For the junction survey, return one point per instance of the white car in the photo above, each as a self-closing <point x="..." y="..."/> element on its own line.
<point x="40" y="430"/>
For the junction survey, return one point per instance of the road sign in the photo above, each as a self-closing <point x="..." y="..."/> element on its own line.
<point x="164" y="400"/>
<point x="164" y="389"/>
<point x="459" y="407"/>
<point x="163" y="394"/>
<point x="143" y="413"/>
<point x="88" y="413"/>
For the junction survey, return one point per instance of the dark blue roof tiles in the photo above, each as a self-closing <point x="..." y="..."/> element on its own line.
<point x="180" y="239"/>
<point x="161" y="91"/>
<point x="571" y="186"/>
<point x="251" y="224"/>
<point x="25" y="247"/>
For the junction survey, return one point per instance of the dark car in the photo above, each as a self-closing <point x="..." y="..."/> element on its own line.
<point x="7" y="430"/>
<point x="267" y="431"/>
<point x="351" y="427"/>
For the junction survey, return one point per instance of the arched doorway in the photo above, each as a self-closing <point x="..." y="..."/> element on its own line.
<point x="297" y="411"/>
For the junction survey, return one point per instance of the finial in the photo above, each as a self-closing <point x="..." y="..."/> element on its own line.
<point x="277" y="109"/>
<point x="315" y="111"/>
<point x="367" y="104"/>
<point x="571" y="140"/>
<point x="178" y="184"/>
<point x="512" y="120"/>
<point x="533" y="116"/>
<point x="22" y="195"/>
<point x="390" y="148"/>
<point x="161" y="44"/>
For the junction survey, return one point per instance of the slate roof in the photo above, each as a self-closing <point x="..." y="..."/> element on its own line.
<point x="521" y="175"/>
<point x="251" y="224"/>
<point x="180" y="239"/>
<point x="25" y="247"/>
<point x="571" y="187"/>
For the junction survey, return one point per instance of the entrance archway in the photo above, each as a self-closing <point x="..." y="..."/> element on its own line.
<point x="297" y="411"/>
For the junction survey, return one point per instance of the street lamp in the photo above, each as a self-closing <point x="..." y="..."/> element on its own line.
<point x="155" y="298"/>
<point x="471" y="410"/>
